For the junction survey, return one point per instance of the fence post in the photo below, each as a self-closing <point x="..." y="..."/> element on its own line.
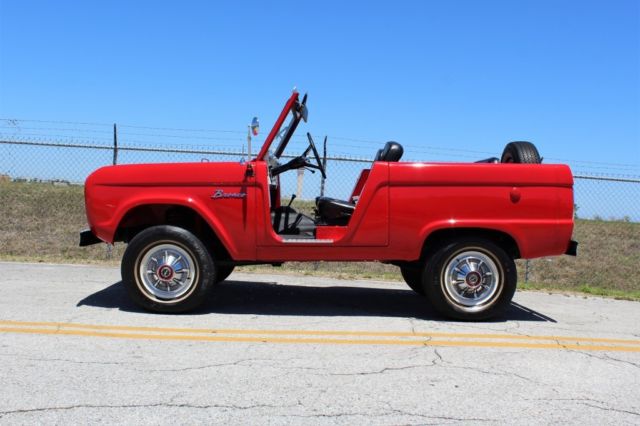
<point x="300" y="183"/>
<point x="322" y="184"/>
<point x="526" y="271"/>
<point x="115" y="144"/>
<point x="324" y="166"/>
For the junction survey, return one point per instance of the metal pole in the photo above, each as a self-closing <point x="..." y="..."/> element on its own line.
<point x="115" y="144"/>
<point x="324" y="166"/>
<point x="249" y="143"/>
<point x="300" y="183"/>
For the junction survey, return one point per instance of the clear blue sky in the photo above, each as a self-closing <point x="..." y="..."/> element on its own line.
<point x="465" y="75"/>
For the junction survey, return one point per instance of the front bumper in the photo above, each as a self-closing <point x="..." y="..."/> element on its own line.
<point x="87" y="238"/>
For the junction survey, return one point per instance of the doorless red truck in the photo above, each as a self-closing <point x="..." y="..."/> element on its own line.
<point x="454" y="229"/>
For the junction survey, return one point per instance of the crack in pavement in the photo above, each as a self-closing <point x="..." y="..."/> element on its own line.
<point x="392" y="412"/>
<point x="437" y="354"/>
<point x="203" y="367"/>
<point x="384" y="370"/>
<point x="434" y="362"/>
<point x="25" y="358"/>
<point x="609" y="357"/>
<point x="431" y="417"/>
<point x="157" y="405"/>
<point x="440" y="361"/>
<point x="586" y="402"/>
<point x="495" y="373"/>
<point x="131" y="364"/>
<point x="605" y="358"/>
<point x="454" y="419"/>
<point x="616" y="410"/>
<point x="412" y="324"/>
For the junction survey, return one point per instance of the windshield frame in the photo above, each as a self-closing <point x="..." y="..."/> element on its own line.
<point x="292" y="105"/>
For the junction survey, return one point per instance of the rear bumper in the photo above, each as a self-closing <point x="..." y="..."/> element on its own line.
<point x="572" y="249"/>
<point x="87" y="238"/>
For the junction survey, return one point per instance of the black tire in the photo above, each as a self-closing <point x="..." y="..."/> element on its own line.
<point x="492" y="299"/>
<point x="412" y="275"/>
<point x="520" y="152"/>
<point x="182" y="255"/>
<point x="223" y="272"/>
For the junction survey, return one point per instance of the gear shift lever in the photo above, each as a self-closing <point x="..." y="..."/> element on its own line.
<point x="293" y="197"/>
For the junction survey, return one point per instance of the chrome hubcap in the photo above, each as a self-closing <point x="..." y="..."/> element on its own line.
<point x="167" y="272"/>
<point x="471" y="279"/>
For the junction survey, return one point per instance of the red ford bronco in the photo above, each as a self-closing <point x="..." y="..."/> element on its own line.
<point x="454" y="229"/>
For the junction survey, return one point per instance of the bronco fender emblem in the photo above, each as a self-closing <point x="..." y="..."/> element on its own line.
<point x="221" y="194"/>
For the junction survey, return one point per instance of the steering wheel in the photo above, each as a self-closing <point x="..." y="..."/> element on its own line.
<point x="301" y="161"/>
<point x="312" y="146"/>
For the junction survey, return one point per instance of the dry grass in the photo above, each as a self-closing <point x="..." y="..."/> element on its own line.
<point x="608" y="257"/>
<point x="41" y="221"/>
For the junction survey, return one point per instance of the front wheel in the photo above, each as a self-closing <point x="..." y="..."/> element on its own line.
<point x="470" y="279"/>
<point x="413" y="277"/>
<point x="223" y="272"/>
<point x="167" y="269"/>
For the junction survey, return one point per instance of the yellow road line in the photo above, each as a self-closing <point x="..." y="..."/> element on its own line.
<point x="266" y="339"/>
<point x="59" y="325"/>
<point x="185" y="337"/>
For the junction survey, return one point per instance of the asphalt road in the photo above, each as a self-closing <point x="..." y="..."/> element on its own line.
<point x="276" y="349"/>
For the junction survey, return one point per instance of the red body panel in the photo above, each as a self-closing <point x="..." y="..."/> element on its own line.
<point x="400" y="205"/>
<point x="357" y="190"/>
<point x="532" y="203"/>
<point x="113" y="191"/>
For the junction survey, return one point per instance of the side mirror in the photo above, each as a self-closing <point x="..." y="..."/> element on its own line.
<point x="255" y="126"/>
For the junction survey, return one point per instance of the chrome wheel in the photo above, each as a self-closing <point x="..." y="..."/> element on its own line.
<point x="167" y="272"/>
<point x="471" y="279"/>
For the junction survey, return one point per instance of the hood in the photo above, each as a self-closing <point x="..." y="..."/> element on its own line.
<point x="169" y="174"/>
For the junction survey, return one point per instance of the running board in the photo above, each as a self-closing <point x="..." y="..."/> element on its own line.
<point x="306" y="241"/>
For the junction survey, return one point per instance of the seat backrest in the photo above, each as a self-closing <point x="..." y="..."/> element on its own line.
<point x="378" y="155"/>
<point x="392" y="151"/>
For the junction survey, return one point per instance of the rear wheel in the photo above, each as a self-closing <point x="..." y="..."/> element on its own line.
<point x="470" y="279"/>
<point x="412" y="275"/>
<point x="167" y="269"/>
<point x="520" y="152"/>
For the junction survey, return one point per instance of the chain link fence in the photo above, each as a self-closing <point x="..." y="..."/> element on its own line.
<point x="72" y="162"/>
<point x="607" y="206"/>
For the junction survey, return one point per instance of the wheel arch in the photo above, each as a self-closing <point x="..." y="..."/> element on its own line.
<point x="439" y="237"/>
<point x="144" y="215"/>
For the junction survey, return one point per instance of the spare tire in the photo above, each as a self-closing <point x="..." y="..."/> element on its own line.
<point x="520" y="152"/>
